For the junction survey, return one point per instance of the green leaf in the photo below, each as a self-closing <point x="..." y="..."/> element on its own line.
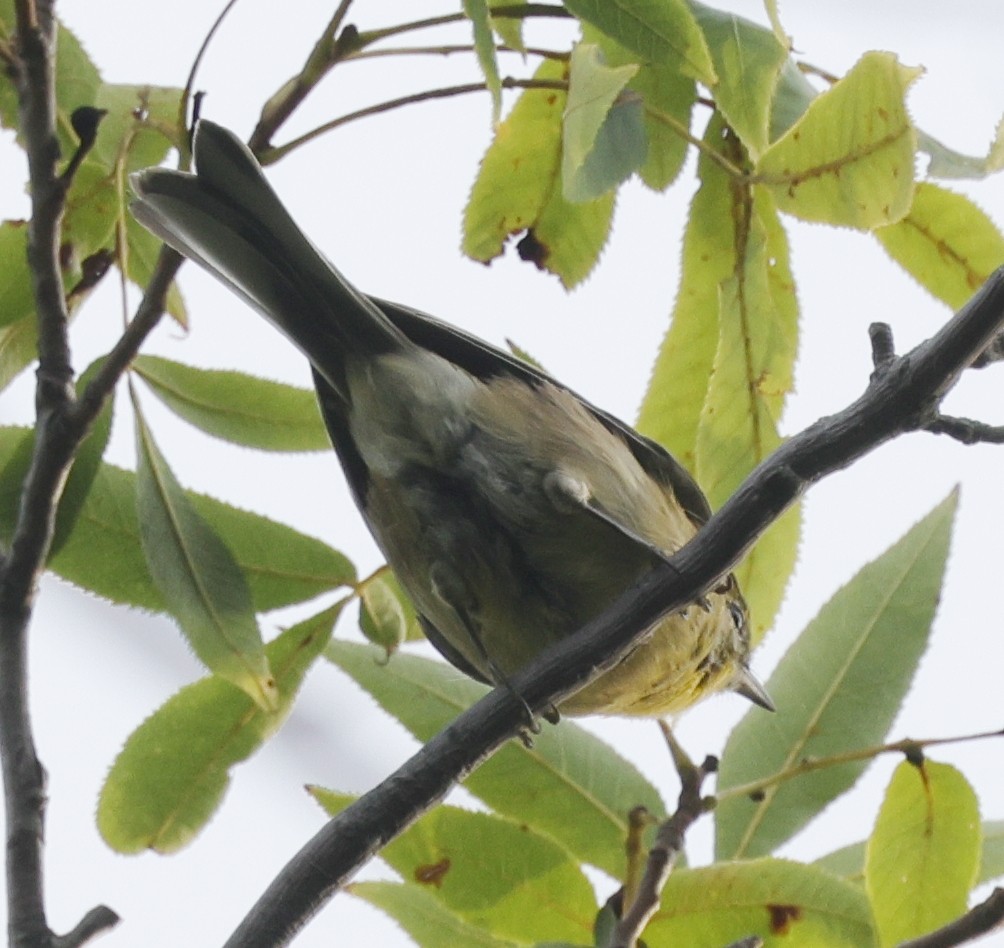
<point x="947" y="163"/>
<point x="667" y="99"/>
<point x="659" y="31"/>
<point x="18" y="349"/>
<point x="17" y="301"/>
<point x="16" y="460"/>
<point x="923" y="854"/>
<point x="510" y="28"/>
<point x="792" y="97"/>
<point x="849" y="159"/>
<point x="103" y="553"/>
<point x="747" y="60"/>
<point x="18" y="326"/>
<point x="567" y="238"/>
<point x="140" y="127"/>
<point x="849" y="861"/>
<point x="604" y="135"/>
<point x="18" y="456"/>
<point x="172" y="772"/>
<point x="992" y="862"/>
<point x="752" y="374"/>
<point x="85" y="466"/>
<point x="671" y="409"/>
<point x="726" y="365"/>
<point x="946" y="243"/>
<point x="569" y="785"/>
<point x="518" y="188"/>
<point x="492" y="873"/>
<point x="198" y="576"/>
<point x="783" y="902"/>
<point x="496" y="874"/>
<point x="236" y="407"/>
<point x="77" y="80"/>
<point x="424" y="917"/>
<point x="838" y="688"/>
<point x="382" y="615"/>
<point x="484" y="47"/>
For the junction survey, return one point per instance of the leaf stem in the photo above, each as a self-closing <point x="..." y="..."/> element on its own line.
<point x="272" y="155"/>
<point x="906" y="746"/>
<point x="184" y="149"/>
<point x="449" y="49"/>
<point x="515" y="11"/>
<point x="677" y="126"/>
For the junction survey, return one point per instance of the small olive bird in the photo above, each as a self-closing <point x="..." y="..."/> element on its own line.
<point x="511" y="510"/>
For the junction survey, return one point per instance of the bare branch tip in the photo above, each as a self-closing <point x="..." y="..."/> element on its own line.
<point x="97" y="920"/>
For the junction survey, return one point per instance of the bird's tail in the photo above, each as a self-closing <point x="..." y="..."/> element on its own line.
<point x="228" y="219"/>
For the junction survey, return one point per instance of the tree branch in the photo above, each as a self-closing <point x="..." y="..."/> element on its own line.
<point x="61" y="425"/>
<point x="23" y="774"/>
<point x="668" y="844"/>
<point x="270" y="155"/>
<point x="967" y="430"/>
<point x="903" y="395"/>
<point x="147" y="315"/>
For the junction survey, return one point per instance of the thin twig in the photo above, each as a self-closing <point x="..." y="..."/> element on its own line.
<point x="668" y="845"/>
<point x="450" y="49"/>
<point x="967" y="430"/>
<point x="808" y="765"/>
<point x="332" y="47"/>
<point x="680" y="129"/>
<point x="898" y="399"/>
<point x="272" y="155"/>
<point x="977" y="922"/>
<point x="96" y="921"/>
<point x="186" y="95"/>
<point x="516" y="11"/>
<point x="338" y="44"/>
<point x="148" y="314"/>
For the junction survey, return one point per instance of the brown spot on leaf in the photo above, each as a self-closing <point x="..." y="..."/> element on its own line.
<point x="532" y="250"/>
<point x="781" y="917"/>
<point x="434" y="873"/>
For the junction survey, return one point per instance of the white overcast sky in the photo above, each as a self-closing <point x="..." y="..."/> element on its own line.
<point x="384" y="199"/>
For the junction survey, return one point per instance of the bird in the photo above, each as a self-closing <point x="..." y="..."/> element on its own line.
<point x="511" y="510"/>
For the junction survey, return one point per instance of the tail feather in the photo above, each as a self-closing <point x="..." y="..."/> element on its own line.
<point x="228" y="219"/>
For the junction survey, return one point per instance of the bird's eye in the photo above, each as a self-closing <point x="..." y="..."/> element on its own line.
<point x="738" y="616"/>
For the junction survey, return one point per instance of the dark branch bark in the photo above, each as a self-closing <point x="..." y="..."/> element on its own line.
<point x="668" y="845"/>
<point x="23" y="774"/>
<point x="903" y="395"/>
<point x="61" y="424"/>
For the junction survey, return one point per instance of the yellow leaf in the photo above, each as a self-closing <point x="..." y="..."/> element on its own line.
<point x="849" y="159"/>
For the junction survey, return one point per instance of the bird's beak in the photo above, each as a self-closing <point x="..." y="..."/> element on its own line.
<point x="747" y="685"/>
